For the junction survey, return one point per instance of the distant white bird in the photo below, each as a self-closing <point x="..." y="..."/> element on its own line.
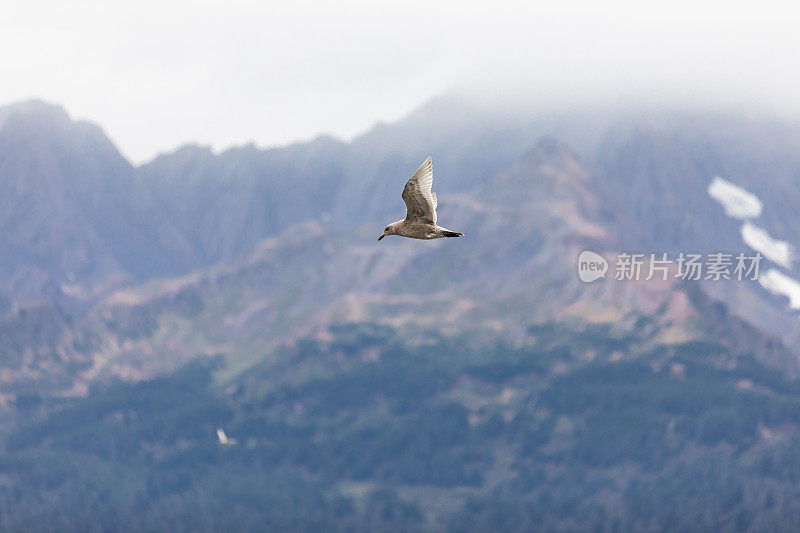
<point x="420" y="221"/>
<point x="223" y="438"/>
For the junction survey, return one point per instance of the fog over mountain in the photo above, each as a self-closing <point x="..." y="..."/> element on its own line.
<point x="225" y="73"/>
<point x="468" y="385"/>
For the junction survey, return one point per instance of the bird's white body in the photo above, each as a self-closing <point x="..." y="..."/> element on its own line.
<point x="223" y="438"/>
<point x="421" y="203"/>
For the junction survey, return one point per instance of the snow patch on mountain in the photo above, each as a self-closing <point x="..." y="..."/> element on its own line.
<point x="738" y="202"/>
<point x="782" y="285"/>
<point x="773" y="249"/>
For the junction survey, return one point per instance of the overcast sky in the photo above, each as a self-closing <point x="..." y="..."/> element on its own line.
<point x="158" y="74"/>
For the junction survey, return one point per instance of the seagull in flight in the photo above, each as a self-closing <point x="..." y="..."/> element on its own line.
<point x="223" y="438"/>
<point x="420" y="221"/>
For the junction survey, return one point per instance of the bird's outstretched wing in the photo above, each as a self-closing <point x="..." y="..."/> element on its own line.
<point x="420" y="202"/>
<point x="221" y="436"/>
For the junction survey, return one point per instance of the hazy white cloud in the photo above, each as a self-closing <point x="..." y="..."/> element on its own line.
<point x="158" y="74"/>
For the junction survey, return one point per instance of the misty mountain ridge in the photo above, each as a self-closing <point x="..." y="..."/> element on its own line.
<point x="193" y="208"/>
<point x="256" y="231"/>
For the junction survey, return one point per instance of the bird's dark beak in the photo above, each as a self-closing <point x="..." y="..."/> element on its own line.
<point x="381" y="237"/>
